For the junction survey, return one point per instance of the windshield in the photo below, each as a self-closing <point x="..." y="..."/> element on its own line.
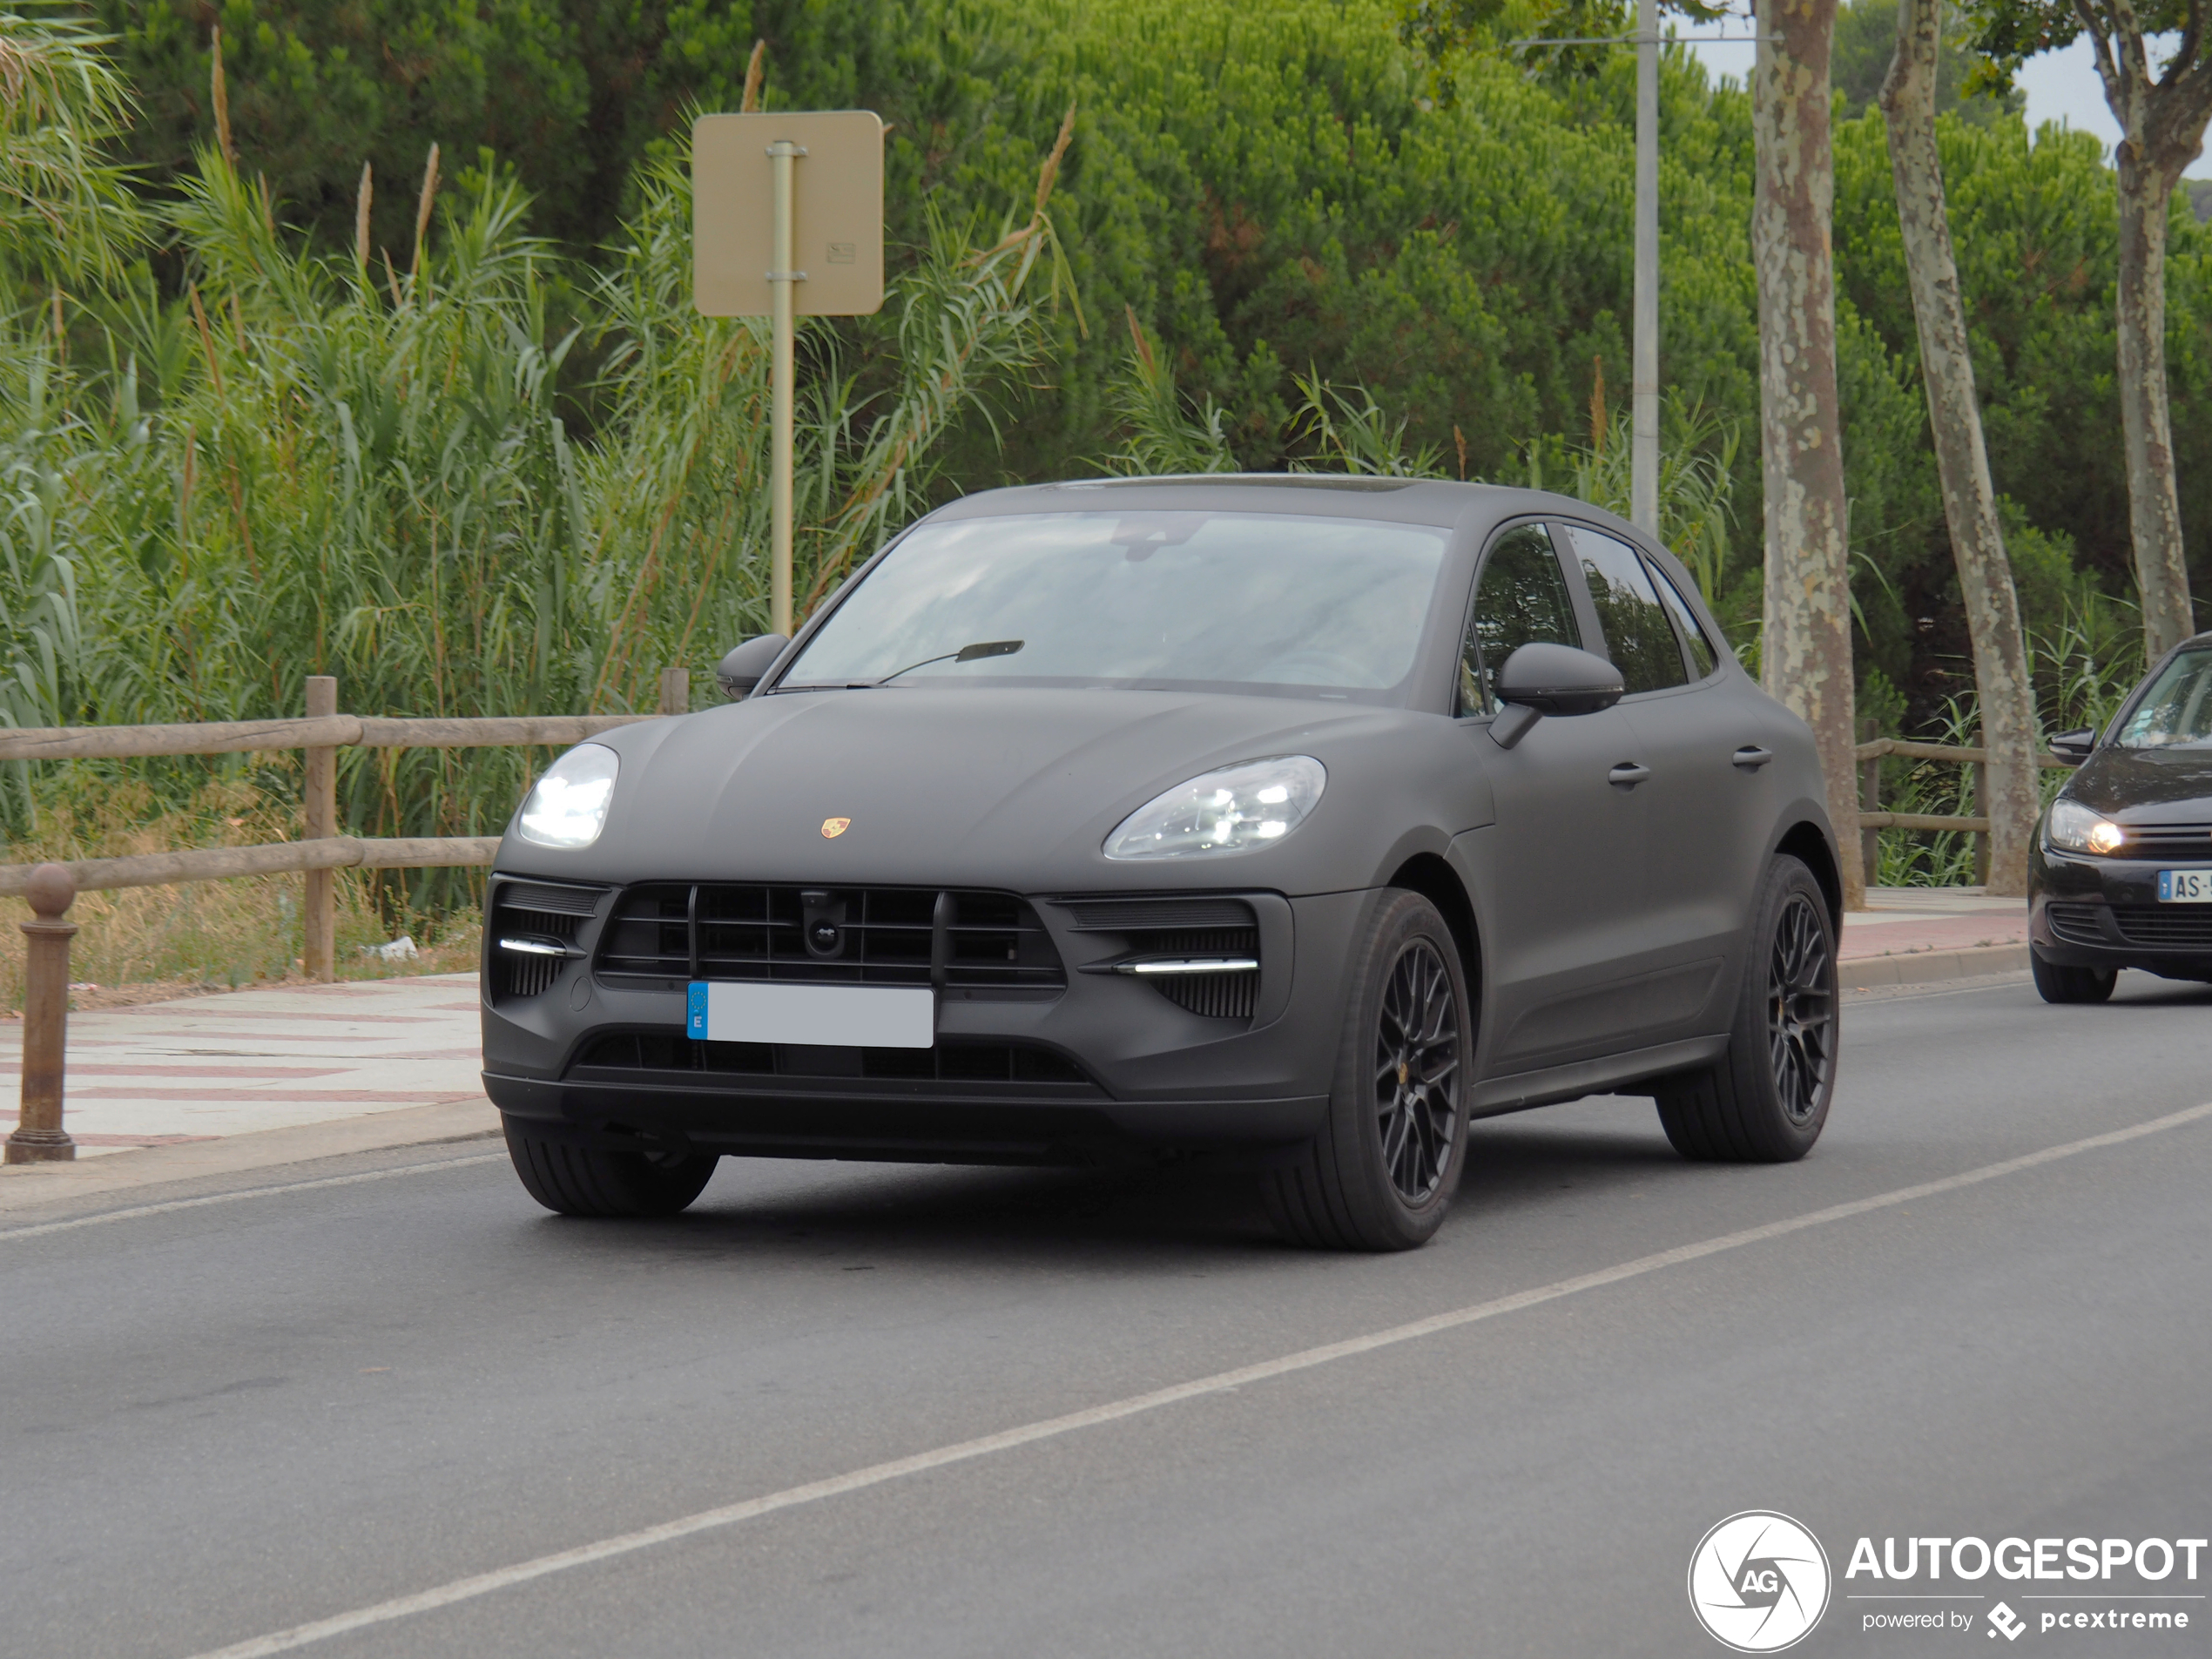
<point x="1172" y="599"/>
<point x="2178" y="707"/>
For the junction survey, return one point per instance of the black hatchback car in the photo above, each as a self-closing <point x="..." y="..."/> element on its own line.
<point x="1291" y="820"/>
<point x="2122" y="874"/>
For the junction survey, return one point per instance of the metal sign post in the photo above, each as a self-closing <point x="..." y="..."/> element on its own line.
<point x="787" y="222"/>
<point x="782" y="374"/>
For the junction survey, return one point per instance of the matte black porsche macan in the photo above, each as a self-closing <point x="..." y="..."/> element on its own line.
<point x="2122" y="874"/>
<point x="1288" y="821"/>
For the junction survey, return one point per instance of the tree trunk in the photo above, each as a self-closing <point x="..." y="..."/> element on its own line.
<point x="1805" y="651"/>
<point x="2153" y="506"/>
<point x="2009" y="728"/>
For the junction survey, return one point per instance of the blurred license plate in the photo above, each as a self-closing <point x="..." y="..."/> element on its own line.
<point x="2185" y="887"/>
<point x="844" y="1016"/>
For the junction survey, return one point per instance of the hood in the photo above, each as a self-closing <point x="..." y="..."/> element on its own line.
<point x="993" y="787"/>
<point x="2171" y="785"/>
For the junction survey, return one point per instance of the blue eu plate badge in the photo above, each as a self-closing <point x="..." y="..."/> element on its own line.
<point x="695" y="1014"/>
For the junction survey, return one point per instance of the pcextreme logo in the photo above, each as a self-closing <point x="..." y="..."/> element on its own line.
<point x="1758" y="1581"/>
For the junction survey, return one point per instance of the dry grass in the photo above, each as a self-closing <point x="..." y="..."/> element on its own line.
<point x="141" y="944"/>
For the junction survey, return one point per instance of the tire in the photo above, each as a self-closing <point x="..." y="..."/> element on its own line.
<point x="2054" y="982"/>
<point x="582" y="1181"/>
<point x="1382" y="1173"/>
<point x="1766" y="1100"/>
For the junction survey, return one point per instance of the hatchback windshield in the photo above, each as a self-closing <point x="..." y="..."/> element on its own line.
<point x="1179" y="599"/>
<point x="2178" y="707"/>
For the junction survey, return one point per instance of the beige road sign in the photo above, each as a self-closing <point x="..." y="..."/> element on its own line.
<point x="836" y="234"/>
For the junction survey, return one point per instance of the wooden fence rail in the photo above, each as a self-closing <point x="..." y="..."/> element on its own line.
<point x="1873" y="820"/>
<point x="53" y="888"/>
<point x="333" y="731"/>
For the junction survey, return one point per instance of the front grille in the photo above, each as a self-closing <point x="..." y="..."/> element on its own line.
<point x="979" y="942"/>
<point x="545" y="909"/>
<point x="2075" y="923"/>
<point x="2166" y="841"/>
<point x="1158" y="929"/>
<point x="2165" y="927"/>
<point x="677" y="1058"/>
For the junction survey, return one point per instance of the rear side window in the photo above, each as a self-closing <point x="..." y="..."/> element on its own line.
<point x="1521" y="597"/>
<point x="1702" y="656"/>
<point x="1637" y="634"/>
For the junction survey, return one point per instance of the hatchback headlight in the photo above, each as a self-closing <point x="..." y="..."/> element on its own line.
<point x="1236" y="809"/>
<point x="568" y="807"/>
<point x="2073" y="828"/>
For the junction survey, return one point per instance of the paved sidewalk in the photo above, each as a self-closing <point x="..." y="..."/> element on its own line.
<point x="206" y="1067"/>
<point x="1902" y="920"/>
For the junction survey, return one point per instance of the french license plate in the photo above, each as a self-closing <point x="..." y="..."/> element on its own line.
<point x="2185" y="887"/>
<point x="841" y="1016"/>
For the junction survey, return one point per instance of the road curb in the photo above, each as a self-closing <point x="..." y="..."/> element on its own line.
<point x="26" y="1186"/>
<point x="1924" y="966"/>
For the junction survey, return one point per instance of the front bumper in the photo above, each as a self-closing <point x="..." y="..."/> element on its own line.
<point x="2089" y="912"/>
<point x="1106" y="1063"/>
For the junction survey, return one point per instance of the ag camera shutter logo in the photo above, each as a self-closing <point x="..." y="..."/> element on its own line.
<point x="1758" y="1582"/>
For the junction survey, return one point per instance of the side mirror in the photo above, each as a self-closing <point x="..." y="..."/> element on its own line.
<point x="744" y="667"/>
<point x="1543" y="679"/>
<point x="2074" y="747"/>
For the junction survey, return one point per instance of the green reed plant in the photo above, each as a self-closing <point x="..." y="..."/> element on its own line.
<point x="363" y="466"/>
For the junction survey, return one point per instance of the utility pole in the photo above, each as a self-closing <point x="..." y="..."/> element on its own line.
<point x="1644" y="411"/>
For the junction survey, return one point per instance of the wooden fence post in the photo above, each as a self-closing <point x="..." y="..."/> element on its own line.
<point x="39" y="1137"/>
<point x="1981" y="770"/>
<point x="676" y="690"/>
<point x="1869" y="800"/>
<point x="321" y="917"/>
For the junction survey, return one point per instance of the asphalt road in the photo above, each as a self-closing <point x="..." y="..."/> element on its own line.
<point x="225" y="1420"/>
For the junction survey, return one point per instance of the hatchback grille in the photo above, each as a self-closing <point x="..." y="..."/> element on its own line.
<point x="677" y="1058"/>
<point x="2075" y="923"/>
<point x="545" y="911"/>
<point x="2166" y="841"/>
<point x="990" y="942"/>
<point x="2165" y="927"/>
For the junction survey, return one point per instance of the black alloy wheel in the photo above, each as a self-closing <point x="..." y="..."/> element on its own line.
<point x="1417" y="1074"/>
<point x="1765" y="1101"/>
<point x="1383" y="1170"/>
<point x="1800" y="1010"/>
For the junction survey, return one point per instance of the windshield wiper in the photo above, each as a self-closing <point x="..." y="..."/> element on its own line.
<point x="975" y="653"/>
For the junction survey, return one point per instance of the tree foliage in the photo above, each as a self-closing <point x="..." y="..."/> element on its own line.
<point x="1276" y="197"/>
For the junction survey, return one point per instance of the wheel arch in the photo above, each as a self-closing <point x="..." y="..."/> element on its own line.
<point x="1808" y="843"/>
<point x="1435" y="881"/>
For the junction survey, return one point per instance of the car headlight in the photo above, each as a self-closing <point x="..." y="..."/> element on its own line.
<point x="1236" y="809"/>
<point x="2073" y="828"/>
<point x="568" y="807"/>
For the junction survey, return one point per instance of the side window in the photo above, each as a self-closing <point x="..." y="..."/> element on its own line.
<point x="1637" y="634"/>
<point x="1521" y="596"/>
<point x="1701" y="659"/>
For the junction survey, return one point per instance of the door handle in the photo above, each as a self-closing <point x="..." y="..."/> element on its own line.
<point x="1628" y="774"/>
<point x="1751" y="757"/>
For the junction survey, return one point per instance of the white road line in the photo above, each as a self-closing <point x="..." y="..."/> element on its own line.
<point x="244" y="1193"/>
<point x="463" y="1590"/>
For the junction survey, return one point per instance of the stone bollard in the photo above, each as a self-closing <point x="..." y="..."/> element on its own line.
<point x="39" y="1137"/>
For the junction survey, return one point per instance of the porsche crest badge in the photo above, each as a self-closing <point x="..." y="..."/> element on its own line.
<point x="833" y="827"/>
